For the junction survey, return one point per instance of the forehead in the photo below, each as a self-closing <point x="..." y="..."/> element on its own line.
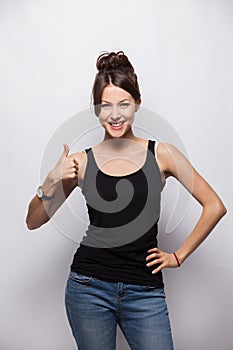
<point x="115" y="94"/>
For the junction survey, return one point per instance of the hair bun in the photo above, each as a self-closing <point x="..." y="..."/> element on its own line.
<point x="113" y="61"/>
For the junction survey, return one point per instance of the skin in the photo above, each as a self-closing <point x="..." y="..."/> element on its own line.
<point x="69" y="172"/>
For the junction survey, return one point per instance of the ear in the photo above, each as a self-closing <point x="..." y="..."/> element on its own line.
<point x="137" y="105"/>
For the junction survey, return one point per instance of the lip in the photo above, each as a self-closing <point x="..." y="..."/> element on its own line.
<point x="117" y="127"/>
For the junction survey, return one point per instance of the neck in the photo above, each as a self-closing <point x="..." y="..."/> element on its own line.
<point x="120" y="142"/>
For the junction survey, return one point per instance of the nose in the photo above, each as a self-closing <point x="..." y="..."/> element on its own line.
<point x="115" y="114"/>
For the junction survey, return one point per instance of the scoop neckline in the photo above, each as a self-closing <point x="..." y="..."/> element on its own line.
<point x="127" y="175"/>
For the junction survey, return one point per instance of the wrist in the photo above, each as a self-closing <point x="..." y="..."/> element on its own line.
<point x="48" y="186"/>
<point x="40" y="194"/>
<point x="177" y="259"/>
<point x="181" y="255"/>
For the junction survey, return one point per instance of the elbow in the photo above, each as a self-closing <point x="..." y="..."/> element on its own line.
<point x="221" y="210"/>
<point x="33" y="225"/>
<point x="30" y="225"/>
<point x="217" y="208"/>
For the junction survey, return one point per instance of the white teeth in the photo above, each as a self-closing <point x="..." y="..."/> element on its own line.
<point x="117" y="124"/>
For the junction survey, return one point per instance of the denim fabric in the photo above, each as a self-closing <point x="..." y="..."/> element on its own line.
<point x="94" y="308"/>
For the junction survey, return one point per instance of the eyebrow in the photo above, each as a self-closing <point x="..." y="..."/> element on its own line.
<point x="126" y="99"/>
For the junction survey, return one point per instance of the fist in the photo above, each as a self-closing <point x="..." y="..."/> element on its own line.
<point x="66" y="167"/>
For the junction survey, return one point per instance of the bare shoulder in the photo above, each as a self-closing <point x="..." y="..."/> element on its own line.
<point x="164" y="148"/>
<point x="169" y="156"/>
<point x="178" y="165"/>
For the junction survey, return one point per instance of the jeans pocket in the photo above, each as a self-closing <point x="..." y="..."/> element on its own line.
<point x="82" y="280"/>
<point x="152" y="288"/>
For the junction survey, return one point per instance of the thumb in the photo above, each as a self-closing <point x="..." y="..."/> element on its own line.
<point x="65" y="151"/>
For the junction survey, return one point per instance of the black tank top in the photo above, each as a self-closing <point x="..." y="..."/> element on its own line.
<point x="123" y="225"/>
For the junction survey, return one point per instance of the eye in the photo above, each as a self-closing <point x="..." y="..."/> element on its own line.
<point x="124" y="105"/>
<point x="105" y="105"/>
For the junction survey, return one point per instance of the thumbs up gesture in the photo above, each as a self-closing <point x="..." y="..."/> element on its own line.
<point x="66" y="167"/>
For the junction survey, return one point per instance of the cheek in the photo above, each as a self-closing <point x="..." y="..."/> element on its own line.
<point x="129" y="120"/>
<point x="102" y="119"/>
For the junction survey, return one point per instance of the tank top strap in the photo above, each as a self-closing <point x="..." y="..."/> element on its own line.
<point x="151" y="146"/>
<point x="91" y="163"/>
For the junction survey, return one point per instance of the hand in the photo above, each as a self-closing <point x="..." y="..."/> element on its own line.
<point x="66" y="167"/>
<point x="162" y="258"/>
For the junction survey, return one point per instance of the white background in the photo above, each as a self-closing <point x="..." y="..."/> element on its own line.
<point x="182" y="53"/>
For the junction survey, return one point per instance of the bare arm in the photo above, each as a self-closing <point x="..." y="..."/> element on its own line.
<point x="40" y="211"/>
<point x="177" y="165"/>
<point x="60" y="181"/>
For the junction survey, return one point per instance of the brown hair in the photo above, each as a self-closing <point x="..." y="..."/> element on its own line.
<point x="114" y="68"/>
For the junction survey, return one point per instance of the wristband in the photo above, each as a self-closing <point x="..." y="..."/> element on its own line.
<point x="176" y="259"/>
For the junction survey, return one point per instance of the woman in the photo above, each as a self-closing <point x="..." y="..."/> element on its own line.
<point x="116" y="273"/>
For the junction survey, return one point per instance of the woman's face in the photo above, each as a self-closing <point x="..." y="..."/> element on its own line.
<point x="117" y="110"/>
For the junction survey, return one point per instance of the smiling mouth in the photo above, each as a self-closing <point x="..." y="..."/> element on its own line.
<point x="116" y="124"/>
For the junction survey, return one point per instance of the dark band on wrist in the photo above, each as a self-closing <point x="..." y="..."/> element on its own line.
<point x="176" y="259"/>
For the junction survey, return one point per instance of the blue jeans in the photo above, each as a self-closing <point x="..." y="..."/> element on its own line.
<point x="94" y="308"/>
